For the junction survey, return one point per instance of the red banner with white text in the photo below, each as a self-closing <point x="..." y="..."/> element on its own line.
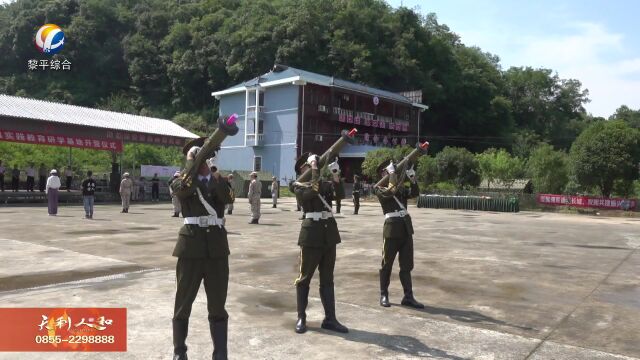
<point x="587" y="201"/>
<point x="27" y="137"/>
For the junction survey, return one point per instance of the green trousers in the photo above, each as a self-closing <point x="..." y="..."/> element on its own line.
<point x="403" y="246"/>
<point x="189" y="274"/>
<point x="324" y="259"/>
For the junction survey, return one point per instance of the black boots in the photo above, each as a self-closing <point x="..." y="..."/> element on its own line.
<point x="253" y="221"/>
<point x="274" y="206"/>
<point x="219" y="336"/>
<point x="302" y="296"/>
<point x="180" y="329"/>
<point x="408" y="299"/>
<point x="385" y="278"/>
<point x="229" y="212"/>
<point x="175" y="214"/>
<point x="329" y="303"/>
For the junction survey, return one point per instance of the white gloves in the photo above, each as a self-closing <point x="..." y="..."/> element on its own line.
<point x="213" y="161"/>
<point x="391" y="168"/>
<point x="411" y="173"/>
<point x="312" y="158"/>
<point x="191" y="154"/>
<point x="334" y="167"/>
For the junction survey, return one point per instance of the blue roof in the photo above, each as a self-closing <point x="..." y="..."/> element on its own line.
<point x="319" y="79"/>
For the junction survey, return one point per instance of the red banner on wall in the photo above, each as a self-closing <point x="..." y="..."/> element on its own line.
<point x="586" y="201"/>
<point x="63" y="329"/>
<point x="28" y="137"/>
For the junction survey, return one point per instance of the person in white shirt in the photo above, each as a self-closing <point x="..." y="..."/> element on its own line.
<point x="31" y="177"/>
<point x="53" y="184"/>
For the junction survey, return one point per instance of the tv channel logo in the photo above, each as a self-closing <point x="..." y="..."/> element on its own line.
<point x="49" y="39"/>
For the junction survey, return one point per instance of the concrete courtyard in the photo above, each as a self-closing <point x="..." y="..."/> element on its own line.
<point x="495" y="285"/>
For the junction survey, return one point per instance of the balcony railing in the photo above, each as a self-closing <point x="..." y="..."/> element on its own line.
<point x="251" y="140"/>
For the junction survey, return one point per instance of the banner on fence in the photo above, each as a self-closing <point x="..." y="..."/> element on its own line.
<point x="586" y="201"/>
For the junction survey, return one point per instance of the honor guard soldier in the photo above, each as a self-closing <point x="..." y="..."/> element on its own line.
<point x="317" y="240"/>
<point x="338" y="184"/>
<point x="357" y="188"/>
<point x="202" y="251"/>
<point x="397" y="232"/>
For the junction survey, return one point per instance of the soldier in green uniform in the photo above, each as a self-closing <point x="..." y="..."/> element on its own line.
<point x="202" y="251"/>
<point x="317" y="240"/>
<point x="397" y="232"/>
<point x="338" y="184"/>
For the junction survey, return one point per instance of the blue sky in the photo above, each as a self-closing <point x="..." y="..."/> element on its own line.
<point x="595" y="42"/>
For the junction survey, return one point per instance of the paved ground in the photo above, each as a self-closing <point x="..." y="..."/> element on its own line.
<point x="496" y="286"/>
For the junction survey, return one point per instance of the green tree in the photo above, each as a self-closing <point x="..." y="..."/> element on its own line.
<point x="500" y="165"/>
<point x="629" y="116"/>
<point x="546" y="104"/>
<point x="606" y="152"/>
<point x="548" y="170"/>
<point x="427" y="170"/>
<point x="373" y="159"/>
<point x="458" y="166"/>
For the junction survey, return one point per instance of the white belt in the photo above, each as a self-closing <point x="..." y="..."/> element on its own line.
<point x="316" y="216"/>
<point x="204" y="221"/>
<point x="400" y="213"/>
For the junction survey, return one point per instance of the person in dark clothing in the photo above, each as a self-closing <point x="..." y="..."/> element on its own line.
<point x="42" y="177"/>
<point x="202" y="251"/>
<point x="15" y="178"/>
<point x="88" y="194"/>
<point x="155" y="188"/>
<point x="357" y="188"/>
<point x="2" y="171"/>
<point x="317" y="240"/>
<point x="397" y="232"/>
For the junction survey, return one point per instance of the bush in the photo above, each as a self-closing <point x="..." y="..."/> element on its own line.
<point x="458" y="166"/>
<point x="605" y="152"/>
<point x="548" y="170"/>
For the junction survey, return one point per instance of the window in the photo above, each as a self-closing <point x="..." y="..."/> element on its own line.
<point x="257" y="163"/>
<point x="261" y="127"/>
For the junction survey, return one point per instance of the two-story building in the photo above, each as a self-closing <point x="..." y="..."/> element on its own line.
<point x="288" y="111"/>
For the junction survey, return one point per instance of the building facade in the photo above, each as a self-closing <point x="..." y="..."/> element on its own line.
<point x="288" y="111"/>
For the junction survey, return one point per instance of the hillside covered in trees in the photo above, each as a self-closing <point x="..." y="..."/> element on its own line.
<point x="164" y="58"/>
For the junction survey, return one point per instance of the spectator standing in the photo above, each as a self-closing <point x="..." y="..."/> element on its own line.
<point x="88" y="194"/>
<point x="2" y="171"/>
<point x="15" y="178"/>
<point x="274" y="191"/>
<point x="174" y="199"/>
<point x="31" y="177"/>
<point x="357" y="188"/>
<point x="155" y="188"/>
<point x="233" y="195"/>
<point x="126" y="185"/>
<point x="52" y="188"/>
<point x="42" y="177"/>
<point x="141" y="185"/>
<point x="68" y="173"/>
<point x="255" y="190"/>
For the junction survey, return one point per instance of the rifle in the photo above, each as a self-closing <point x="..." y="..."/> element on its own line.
<point x="225" y="128"/>
<point x="331" y="153"/>
<point x="421" y="149"/>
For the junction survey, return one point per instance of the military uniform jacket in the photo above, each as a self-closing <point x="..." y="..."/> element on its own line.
<point x="324" y="232"/>
<point x="255" y="190"/>
<point x="397" y="226"/>
<point x="195" y="241"/>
